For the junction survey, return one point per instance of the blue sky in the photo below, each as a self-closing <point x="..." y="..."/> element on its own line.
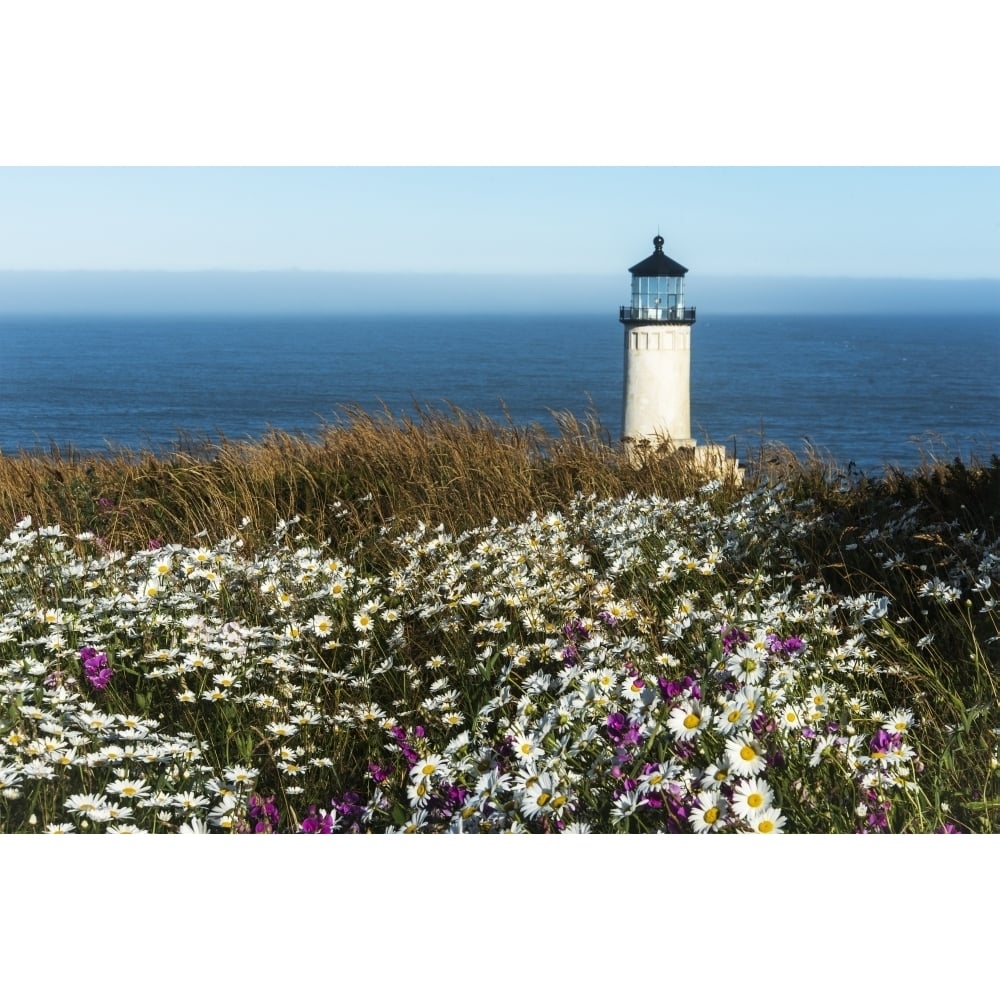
<point x="865" y="222"/>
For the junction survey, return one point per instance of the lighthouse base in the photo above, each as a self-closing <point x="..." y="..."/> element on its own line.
<point x="709" y="460"/>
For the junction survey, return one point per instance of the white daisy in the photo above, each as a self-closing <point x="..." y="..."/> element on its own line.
<point x="751" y="796"/>
<point x="709" y="812"/>
<point x="688" y="719"/>
<point x="745" y="756"/>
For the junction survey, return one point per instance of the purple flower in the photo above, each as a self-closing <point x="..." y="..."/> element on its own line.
<point x="379" y="772"/>
<point x="673" y="689"/>
<point x="616" y="722"/>
<point x="263" y="813"/>
<point x="883" y="742"/>
<point x="95" y="667"/>
<point x="318" y="821"/>
<point x="733" y="638"/>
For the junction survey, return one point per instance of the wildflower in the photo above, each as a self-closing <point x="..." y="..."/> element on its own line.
<point x="745" y="756"/>
<point x="768" y="820"/>
<point x="750" y="796"/>
<point x="746" y="667"/>
<point x="543" y="796"/>
<point x="709" y="812"/>
<point x="321" y="625"/>
<point x="626" y="804"/>
<point x="194" y="825"/>
<point x="884" y="742"/>
<point x="899" y="722"/>
<point x="688" y="719"/>
<point x="526" y="748"/>
<point x="714" y="776"/>
<point x="189" y="801"/>
<point x="363" y="621"/>
<point x="95" y="667"/>
<point x="263" y="813"/>
<point x="789" y="718"/>
<point x="128" y="789"/>
<point x="733" y="716"/>
<point x="240" y="775"/>
<point x="432" y="764"/>
<point x="85" y="805"/>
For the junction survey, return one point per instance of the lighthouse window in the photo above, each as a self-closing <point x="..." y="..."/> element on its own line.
<point x="654" y="294"/>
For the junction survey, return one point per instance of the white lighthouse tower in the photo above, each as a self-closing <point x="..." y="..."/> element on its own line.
<point x="657" y="397"/>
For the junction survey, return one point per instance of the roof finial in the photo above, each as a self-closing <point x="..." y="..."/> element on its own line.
<point x="658" y="242"/>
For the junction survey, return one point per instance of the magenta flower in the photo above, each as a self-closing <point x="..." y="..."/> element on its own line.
<point x="883" y="742"/>
<point x="263" y="813"/>
<point x="95" y="667"/>
<point x="733" y="638"/>
<point x="379" y="772"/>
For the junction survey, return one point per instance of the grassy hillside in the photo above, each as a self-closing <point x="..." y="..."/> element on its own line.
<point x="450" y="624"/>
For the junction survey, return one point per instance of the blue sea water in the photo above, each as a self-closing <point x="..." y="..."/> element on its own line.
<point x="864" y="389"/>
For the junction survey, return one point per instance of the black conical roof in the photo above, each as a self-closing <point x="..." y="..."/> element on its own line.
<point x="658" y="264"/>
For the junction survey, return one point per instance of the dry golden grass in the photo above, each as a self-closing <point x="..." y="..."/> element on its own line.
<point x="355" y="477"/>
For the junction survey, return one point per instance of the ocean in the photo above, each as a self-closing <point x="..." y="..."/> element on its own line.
<point x="872" y="390"/>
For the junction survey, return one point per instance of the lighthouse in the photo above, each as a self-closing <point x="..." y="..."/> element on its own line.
<point x="657" y="398"/>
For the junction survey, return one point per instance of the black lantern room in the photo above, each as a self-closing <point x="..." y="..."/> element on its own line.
<point x="657" y="290"/>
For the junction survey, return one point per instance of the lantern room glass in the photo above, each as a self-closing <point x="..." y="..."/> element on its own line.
<point x="657" y="297"/>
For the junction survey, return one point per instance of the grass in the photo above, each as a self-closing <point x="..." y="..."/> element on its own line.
<point x="450" y="623"/>
<point x="350" y="481"/>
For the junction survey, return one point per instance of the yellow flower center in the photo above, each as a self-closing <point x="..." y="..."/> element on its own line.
<point x="427" y="769"/>
<point x="748" y="753"/>
<point x="691" y="721"/>
<point x="765" y="826"/>
<point x="711" y="815"/>
<point x="755" y="800"/>
<point x="543" y="798"/>
<point x="733" y="715"/>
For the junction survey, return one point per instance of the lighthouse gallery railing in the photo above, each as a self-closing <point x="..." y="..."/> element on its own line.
<point x="630" y="314"/>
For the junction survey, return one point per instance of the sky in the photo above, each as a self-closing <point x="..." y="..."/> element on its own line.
<point x="867" y="222"/>
<point x="418" y="238"/>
